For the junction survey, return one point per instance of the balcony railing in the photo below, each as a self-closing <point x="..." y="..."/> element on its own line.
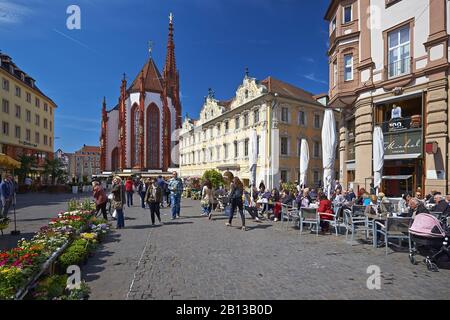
<point x="399" y="68"/>
<point x="402" y="124"/>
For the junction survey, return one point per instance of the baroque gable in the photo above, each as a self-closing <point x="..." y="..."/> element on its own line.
<point x="249" y="90"/>
<point x="211" y="109"/>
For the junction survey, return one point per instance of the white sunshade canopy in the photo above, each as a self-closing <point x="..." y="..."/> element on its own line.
<point x="329" y="144"/>
<point x="378" y="156"/>
<point x="304" y="161"/>
<point x="253" y="155"/>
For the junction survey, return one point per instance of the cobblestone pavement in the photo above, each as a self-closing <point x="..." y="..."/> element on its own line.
<point x="193" y="258"/>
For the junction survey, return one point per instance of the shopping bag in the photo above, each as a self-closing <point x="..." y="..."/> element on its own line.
<point x="114" y="215"/>
<point x="227" y="211"/>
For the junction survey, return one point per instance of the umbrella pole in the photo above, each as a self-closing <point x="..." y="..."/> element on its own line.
<point x="15" y="232"/>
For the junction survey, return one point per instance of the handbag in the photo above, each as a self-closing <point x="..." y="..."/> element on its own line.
<point x="227" y="211"/>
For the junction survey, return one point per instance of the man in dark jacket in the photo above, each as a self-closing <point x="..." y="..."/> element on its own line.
<point x="415" y="207"/>
<point x="442" y="206"/>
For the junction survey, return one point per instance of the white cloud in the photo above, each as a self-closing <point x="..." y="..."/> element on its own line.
<point x="313" y="78"/>
<point x="12" y="13"/>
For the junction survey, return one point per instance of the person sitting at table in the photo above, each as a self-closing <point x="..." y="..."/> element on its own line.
<point x="287" y="198"/>
<point x="338" y="199"/>
<point x="250" y="206"/>
<point x="324" y="209"/>
<point x="403" y="203"/>
<point x="264" y="200"/>
<point x="383" y="201"/>
<point x="442" y="205"/>
<point x="276" y="204"/>
<point x="350" y="196"/>
<point x="362" y="195"/>
<point x="415" y="207"/>
<point x="366" y="199"/>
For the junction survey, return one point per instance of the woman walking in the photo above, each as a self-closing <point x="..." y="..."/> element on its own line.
<point x="129" y="186"/>
<point x="207" y="199"/>
<point x="236" y="193"/>
<point x="118" y="201"/>
<point x="153" y="197"/>
<point x="100" y="199"/>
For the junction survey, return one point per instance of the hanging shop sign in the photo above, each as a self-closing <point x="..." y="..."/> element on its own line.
<point x="407" y="142"/>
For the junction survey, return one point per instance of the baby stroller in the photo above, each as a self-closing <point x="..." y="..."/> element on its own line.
<point x="223" y="202"/>
<point x="430" y="237"/>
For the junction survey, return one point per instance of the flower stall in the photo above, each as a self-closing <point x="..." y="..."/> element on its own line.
<point x="29" y="270"/>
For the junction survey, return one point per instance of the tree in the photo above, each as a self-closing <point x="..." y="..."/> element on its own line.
<point x="26" y="165"/>
<point x="215" y="177"/>
<point x="54" y="168"/>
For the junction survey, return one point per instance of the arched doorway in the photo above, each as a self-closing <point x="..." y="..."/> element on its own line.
<point x="153" y="137"/>
<point x="115" y="159"/>
<point x="135" y="136"/>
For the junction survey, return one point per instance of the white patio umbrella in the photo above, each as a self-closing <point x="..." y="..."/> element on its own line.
<point x="253" y="157"/>
<point x="378" y="156"/>
<point x="329" y="143"/>
<point x="304" y="161"/>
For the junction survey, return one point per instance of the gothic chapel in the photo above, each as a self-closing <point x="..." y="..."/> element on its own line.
<point x="136" y="135"/>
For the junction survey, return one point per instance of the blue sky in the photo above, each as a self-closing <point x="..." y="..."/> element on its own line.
<point x="215" y="40"/>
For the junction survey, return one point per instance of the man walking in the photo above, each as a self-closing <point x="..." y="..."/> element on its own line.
<point x="6" y="195"/>
<point x="176" y="189"/>
<point x="141" y="188"/>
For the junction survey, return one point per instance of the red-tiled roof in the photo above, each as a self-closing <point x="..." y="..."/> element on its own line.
<point x="153" y="81"/>
<point x="90" y="149"/>
<point x="288" y="90"/>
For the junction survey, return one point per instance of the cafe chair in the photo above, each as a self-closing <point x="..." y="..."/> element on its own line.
<point x="355" y="223"/>
<point x="289" y="214"/>
<point x="309" y="216"/>
<point x="395" y="228"/>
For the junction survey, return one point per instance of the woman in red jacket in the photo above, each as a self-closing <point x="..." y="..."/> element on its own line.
<point x="129" y="184"/>
<point x="325" y="209"/>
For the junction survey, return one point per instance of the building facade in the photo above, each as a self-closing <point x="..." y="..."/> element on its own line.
<point x="281" y="114"/>
<point x="84" y="163"/>
<point x="389" y="67"/>
<point x="64" y="157"/>
<point x="137" y="134"/>
<point x="26" y="115"/>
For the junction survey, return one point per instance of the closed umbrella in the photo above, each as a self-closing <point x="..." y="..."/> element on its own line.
<point x="304" y="161"/>
<point x="329" y="143"/>
<point x="253" y="158"/>
<point x="378" y="156"/>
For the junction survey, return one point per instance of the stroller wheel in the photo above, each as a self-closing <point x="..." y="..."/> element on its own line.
<point x="412" y="259"/>
<point x="431" y="266"/>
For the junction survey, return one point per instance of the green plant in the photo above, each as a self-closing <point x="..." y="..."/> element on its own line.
<point x="54" y="168"/>
<point x="26" y="163"/>
<point x="215" y="177"/>
<point x="291" y="187"/>
<point x="74" y="255"/>
<point x="78" y="294"/>
<point x="51" y="287"/>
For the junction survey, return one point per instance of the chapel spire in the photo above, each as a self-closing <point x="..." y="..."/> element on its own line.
<point x="170" y="68"/>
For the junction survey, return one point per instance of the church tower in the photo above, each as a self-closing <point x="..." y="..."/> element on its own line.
<point x="103" y="136"/>
<point x="171" y="90"/>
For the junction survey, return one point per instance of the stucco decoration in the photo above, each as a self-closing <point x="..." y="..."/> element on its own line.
<point x="211" y="109"/>
<point x="248" y="91"/>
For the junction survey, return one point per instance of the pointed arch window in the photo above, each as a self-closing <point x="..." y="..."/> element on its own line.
<point x="154" y="137"/>
<point x="135" y="136"/>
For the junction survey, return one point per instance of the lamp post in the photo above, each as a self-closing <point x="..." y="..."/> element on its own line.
<point x="270" y="172"/>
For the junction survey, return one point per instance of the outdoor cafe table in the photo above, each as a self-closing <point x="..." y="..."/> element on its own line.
<point x="376" y="218"/>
